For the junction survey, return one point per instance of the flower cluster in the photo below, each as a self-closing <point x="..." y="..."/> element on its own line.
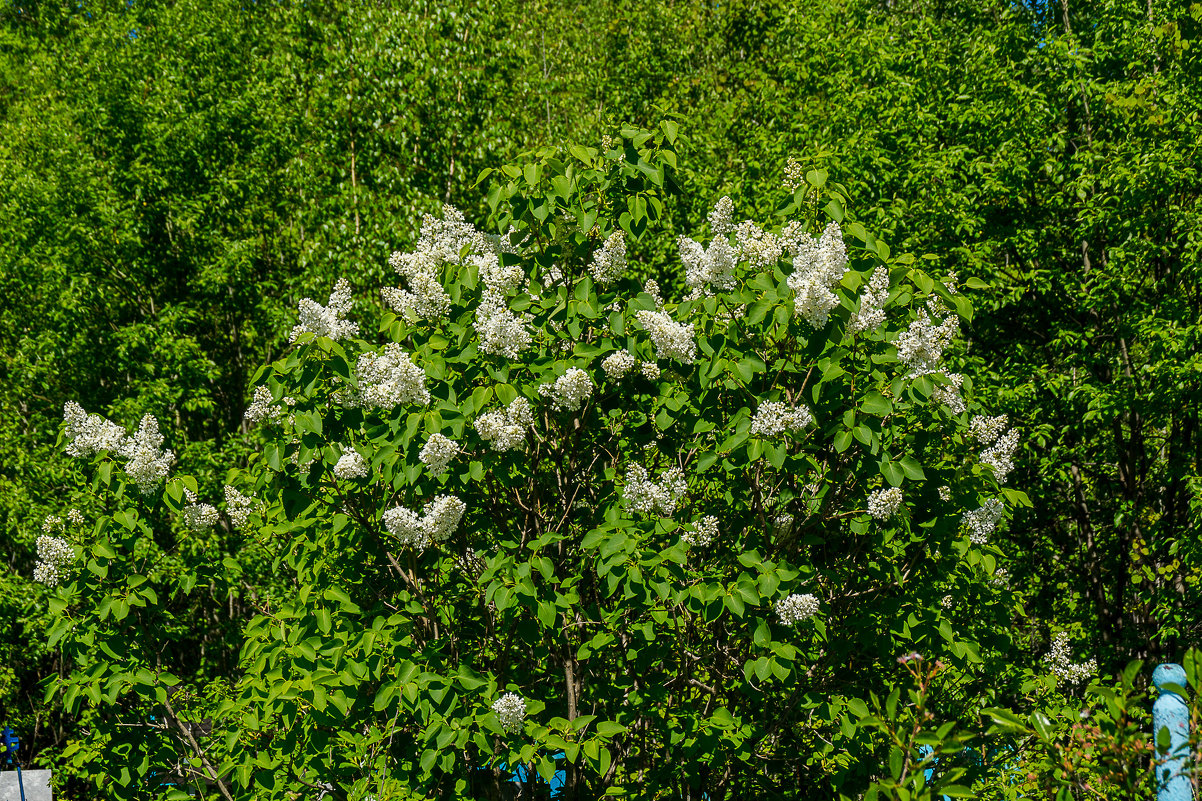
<point x="986" y="429"/>
<point x="145" y="461"/>
<point x="650" y="497"/>
<point x="262" y="407"/>
<point x="388" y="379"/>
<point x="506" y="429"/>
<point x="672" y="340"/>
<point x="704" y="532"/>
<point x="54" y="555"/>
<point x="774" y="418"/>
<point x="326" y="321"/>
<point x="437" y="453"/>
<point x="949" y="394"/>
<point x="75" y="517"/>
<point x="351" y="465"/>
<point x="238" y="506"/>
<point x="756" y="246"/>
<point x="569" y="391"/>
<point x="981" y="522"/>
<point x="715" y="265"/>
<point x="511" y="709"/>
<point x="90" y="433"/>
<point x="921" y="345"/>
<point x="999" y="457"/>
<point x="818" y="265"/>
<point x="501" y="331"/>
<point x="871" y="313"/>
<point x="440" y="517"/>
<point x="782" y="524"/>
<point x="650" y="370"/>
<point x="610" y="261"/>
<point x="1059" y="659"/>
<point x="796" y="608"/>
<point x="198" y="516"/>
<point x="884" y="503"/>
<point x="618" y="364"/>
<point x="496" y="275"/>
<point x="441" y="242"/>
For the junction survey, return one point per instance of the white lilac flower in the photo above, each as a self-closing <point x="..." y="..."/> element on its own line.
<point x="706" y="267"/>
<point x="145" y="463"/>
<point x="439" y="520"/>
<point x="511" y="710"/>
<point x="442" y="242"/>
<point x="794" y="174"/>
<point x="796" y="608"/>
<point x="198" y="516"/>
<point x="782" y="524"/>
<point x="721" y="218"/>
<point x="437" y="453"/>
<point x="986" y="429"/>
<point x="501" y="331"/>
<point x="773" y="418"/>
<point x="569" y="391"/>
<point x="1059" y="659"/>
<point x="262" y="407"/>
<point x="651" y="287"/>
<point x="650" y="370"/>
<point x="672" y="340"/>
<point x="999" y="457"/>
<point x="351" y="465"/>
<point x="54" y="555"/>
<point x="945" y="493"/>
<point x="884" y="503"/>
<point x="75" y="517"/>
<point x="52" y="524"/>
<point x="505" y="429"/>
<point x="704" y="532"/>
<point x="871" y="313"/>
<point x="442" y="516"/>
<point x="610" y="261"/>
<point x="921" y="346"/>
<point x="237" y="506"/>
<point x="647" y="496"/>
<point x="818" y="266"/>
<point x="497" y="276"/>
<point x="757" y="247"/>
<point x="326" y="321"/>
<point x="89" y="433"/>
<point x="618" y="364"/>
<point x="949" y="394"/>
<point x="387" y="380"/>
<point x="981" y="522"/>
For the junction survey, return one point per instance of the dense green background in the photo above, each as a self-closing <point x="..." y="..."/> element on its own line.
<point x="175" y="177"/>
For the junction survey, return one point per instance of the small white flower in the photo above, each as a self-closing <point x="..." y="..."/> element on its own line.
<point x="672" y="340"/>
<point x="89" y="433"/>
<point x="440" y="519"/>
<point x="501" y="331"/>
<point x="618" y="364"/>
<point x="999" y="457"/>
<point x="796" y="608"/>
<point x="945" y="493"/>
<point x="569" y="391"/>
<point x="986" y="429"/>
<point x="437" y="453"/>
<point x="350" y="466"/>
<point x="55" y="554"/>
<point x="921" y="345"/>
<point x="646" y="496"/>
<point x="75" y="517"/>
<point x="326" y="321"/>
<point x="704" y="532"/>
<point x="650" y="370"/>
<point x="146" y="464"/>
<point x="871" y="313"/>
<point x="949" y="395"/>
<point x="884" y="503"/>
<point x="610" y="261"/>
<point x="506" y="429"/>
<point x="387" y="380"/>
<point x="773" y="418"/>
<point x="1059" y="659"/>
<point x="782" y="524"/>
<point x="818" y="266"/>
<point x="981" y="522"/>
<point x="237" y="506"/>
<point x="511" y="709"/>
<point x="52" y="524"/>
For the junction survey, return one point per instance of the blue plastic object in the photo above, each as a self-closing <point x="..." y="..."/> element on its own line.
<point x="1171" y="712"/>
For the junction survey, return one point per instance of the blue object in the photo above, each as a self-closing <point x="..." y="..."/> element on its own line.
<point x="10" y="744"/>
<point x="1171" y="712"/>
